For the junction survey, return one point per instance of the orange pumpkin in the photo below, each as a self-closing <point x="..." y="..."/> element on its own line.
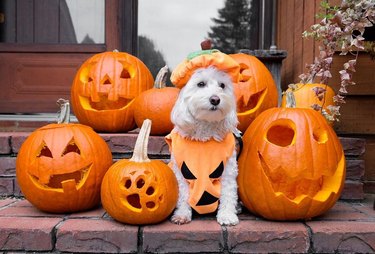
<point x="292" y="165"/>
<point x="138" y="190"/>
<point x="104" y="90"/>
<point x="256" y="90"/>
<point x="306" y="95"/>
<point x="156" y="104"/>
<point x="60" y="167"/>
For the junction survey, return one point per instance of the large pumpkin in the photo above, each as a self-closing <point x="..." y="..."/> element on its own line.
<point x="104" y="89"/>
<point x="292" y="165"/>
<point x="156" y="104"/>
<point x="255" y="91"/>
<point x="310" y="94"/>
<point x="138" y="190"/>
<point x="60" y="167"/>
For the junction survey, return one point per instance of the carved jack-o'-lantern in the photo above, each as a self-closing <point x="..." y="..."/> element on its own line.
<point x="104" y="89"/>
<point x="138" y="190"/>
<point x="256" y="90"/>
<point x="60" y="167"/>
<point x="292" y="165"/>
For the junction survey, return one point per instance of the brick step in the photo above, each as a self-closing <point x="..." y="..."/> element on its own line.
<point x="122" y="144"/>
<point x="347" y="227"/>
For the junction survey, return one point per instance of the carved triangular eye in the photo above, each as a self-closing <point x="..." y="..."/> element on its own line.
<point x="71" y="148"/>
<point x="106" y="80"/>
<point x="186" y="172"/>
<point x="45" y="151"/>
<point x="125" y="74"/>
<point x="218" y="171"/>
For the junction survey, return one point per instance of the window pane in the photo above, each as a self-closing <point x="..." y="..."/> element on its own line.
<point x="170" y="29"/>
<point x="88" y="20"/>
<point x="52" y="21"/>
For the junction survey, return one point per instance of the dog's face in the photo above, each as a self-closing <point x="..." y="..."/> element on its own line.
<point x="208" y="96"/>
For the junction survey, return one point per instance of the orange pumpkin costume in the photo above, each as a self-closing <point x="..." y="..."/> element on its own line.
<point x="204" y="59"/>
<point x="202" y="164"/>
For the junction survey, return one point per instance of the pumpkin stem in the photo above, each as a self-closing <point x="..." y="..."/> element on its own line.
<point x="290" y="100"/>
<point x="140" y="148"/>
<point x="64" y="113"/>
<point x="161" y="78"/>
<point x="206" y="44"/>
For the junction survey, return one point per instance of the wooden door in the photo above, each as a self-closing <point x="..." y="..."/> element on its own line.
<point x="40" y="51"/>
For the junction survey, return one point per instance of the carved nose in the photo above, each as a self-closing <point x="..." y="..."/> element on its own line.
<point x="214" y="100"/>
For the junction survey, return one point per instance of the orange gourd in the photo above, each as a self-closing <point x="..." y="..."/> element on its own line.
<point x="60" y="167"/>
<point x="292" y="165"/>
<point x="256" y="90"/>
<point x="156" y="104"/>
<point x="104" y="90"/>
<point x="139" y="190"/>
<point x="306" y="95"/>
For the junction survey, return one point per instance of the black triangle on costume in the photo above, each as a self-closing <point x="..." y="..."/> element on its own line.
<point x="207" y="199"/>
<point x="186" y="173"/>
<point x="218" y="171"/>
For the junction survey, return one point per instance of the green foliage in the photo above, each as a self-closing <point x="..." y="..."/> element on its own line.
<point x="341" y="29"/>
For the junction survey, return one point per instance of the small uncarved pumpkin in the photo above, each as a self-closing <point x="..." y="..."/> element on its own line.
<point x="104" y="90"/>
<point x="292" y="165"/>
<point x="60" y="167"/>
<point x="255" y="91"/>
<point x="308" y="95"/>
<point x="138" y="190"/>
<point x="156" y="104"/>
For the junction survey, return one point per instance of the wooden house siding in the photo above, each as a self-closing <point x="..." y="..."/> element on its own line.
<point x="358" y="114"/>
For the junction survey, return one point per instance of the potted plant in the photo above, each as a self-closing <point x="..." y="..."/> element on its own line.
<point x="341" y="29"/>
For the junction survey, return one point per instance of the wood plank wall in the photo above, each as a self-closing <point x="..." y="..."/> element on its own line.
<point x="358" y="114"/>
<point x="294" y="17"/>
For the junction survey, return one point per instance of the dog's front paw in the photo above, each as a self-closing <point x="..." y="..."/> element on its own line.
<point x="227" y="219"/>
<point x="179" y="219"/>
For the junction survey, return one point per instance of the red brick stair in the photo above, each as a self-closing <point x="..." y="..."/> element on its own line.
<point x="121" y="145"/>
<point x="348" y="227"/>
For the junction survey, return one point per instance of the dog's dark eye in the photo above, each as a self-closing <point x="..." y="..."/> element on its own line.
<point x="222" y="85"/>
<point x="201" y="84"/>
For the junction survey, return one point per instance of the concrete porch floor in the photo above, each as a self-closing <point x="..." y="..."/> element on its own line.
<point x="349" y="227"/>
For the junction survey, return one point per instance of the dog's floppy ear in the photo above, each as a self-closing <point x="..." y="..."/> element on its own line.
<point x="180" y="115"/>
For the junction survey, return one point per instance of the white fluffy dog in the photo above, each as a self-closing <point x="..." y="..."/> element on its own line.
<point x="206" y="110"/>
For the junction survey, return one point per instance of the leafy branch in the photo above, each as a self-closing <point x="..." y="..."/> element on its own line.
<point x="340" y="29"/>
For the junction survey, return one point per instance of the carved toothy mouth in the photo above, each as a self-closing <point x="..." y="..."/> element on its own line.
<point x="291" y="188"/>
<point x="104" y="103"/>
<point x="60" y="182"/>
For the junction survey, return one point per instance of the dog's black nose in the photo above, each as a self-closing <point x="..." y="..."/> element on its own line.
<point x="214" y="100"/>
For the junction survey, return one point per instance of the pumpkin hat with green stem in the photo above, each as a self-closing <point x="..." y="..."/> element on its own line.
<point x="202" y="59"/>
